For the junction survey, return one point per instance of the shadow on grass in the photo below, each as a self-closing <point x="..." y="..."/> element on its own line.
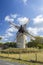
<point x="32" y="61"/>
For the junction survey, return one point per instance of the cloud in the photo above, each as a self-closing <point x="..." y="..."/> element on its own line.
<point x="35" y="31"/>
<point x="8" y="18"/>
<point x="14" y="15"/>
<point x="38" y="23"/>
<point x="24" y="1"/>
<point x="38" y="19"/>
<point x="11" y="29"/>
<point x="11" y="17"/>
<point x="9" y="33"/>
<point x="23" y="20"/>
<point x="6" y="39"/>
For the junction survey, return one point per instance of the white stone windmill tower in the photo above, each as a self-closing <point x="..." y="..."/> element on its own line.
<point x="21" y="35"/>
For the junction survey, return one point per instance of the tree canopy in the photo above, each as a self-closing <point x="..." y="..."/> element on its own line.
<point x="38" y="42"/>
<point x="0" y="38"/>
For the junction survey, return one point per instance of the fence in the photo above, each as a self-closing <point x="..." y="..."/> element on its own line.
<point x="28" y="55"/>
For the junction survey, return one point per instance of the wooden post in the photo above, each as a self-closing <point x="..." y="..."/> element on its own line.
<point x="36" y="57"/>
<point x="19" y="54"/>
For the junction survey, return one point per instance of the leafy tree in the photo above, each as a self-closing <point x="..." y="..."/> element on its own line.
<point x="0" y="38"/>
<point x="38" y="42"/>
<point x="10" y="44"/>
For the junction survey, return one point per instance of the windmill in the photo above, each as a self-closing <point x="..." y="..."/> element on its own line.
<point x="21" y="35"/>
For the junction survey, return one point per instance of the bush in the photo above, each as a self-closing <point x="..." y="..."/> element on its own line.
<point x="40" y="46"/>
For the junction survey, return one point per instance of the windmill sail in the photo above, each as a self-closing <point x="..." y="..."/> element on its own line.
<point x="14" y="25"/>
<point x="30" y="35"/>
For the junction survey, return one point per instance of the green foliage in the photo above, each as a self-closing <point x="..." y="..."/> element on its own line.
<point x="40" y="46"/>
<point x="0" y="38"/>
<point x="1" y="44"/>
<point x="10" y="44"/>
<point x="38" y="42"/>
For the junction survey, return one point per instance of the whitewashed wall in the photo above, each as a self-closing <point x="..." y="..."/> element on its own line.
<point x="21" y="40"/>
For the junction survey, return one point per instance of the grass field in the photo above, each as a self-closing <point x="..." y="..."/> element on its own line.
<point x="27" y="58"/>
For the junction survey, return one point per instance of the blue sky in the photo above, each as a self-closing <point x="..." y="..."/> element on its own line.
<point x="19" y="11"/>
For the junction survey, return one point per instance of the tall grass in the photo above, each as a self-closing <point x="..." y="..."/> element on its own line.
<point x="25" y="57"/>
<point x="20" y="50"/>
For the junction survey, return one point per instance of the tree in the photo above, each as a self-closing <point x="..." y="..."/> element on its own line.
<point x="38" y="42"/>
<point x="10" y="44"/>
<point x="0" y="38"/>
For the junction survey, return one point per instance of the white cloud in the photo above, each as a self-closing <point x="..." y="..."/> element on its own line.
<point x="14" y="15"/>
<point x="11" y="17"/>
<point x="38" y="22"/>
<point x="41" y="29"/>
<point x="38" y="19"/>
<point x="8" y="18"/>
<point x="24" y="1"/>
<point x="33" y="30"/>
<point x="23" y="20"/>
<point x="6" y="39"/>
<point x="9" y="33"/>
<point x="11" y="29"/>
